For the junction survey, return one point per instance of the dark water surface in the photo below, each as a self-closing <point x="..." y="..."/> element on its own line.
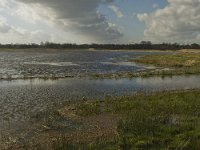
<point x="61" y="63"/>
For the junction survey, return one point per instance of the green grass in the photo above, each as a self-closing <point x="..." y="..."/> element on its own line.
<point x="98" y="144"/>
<point x="153" y="121"/>
<point x="167" y="65"/>
<point x="167" y="120"/>
<point x="179" y="60"/>
<point x="160" y="121"/>
<point x="178" y="64"/>
<point x="86" y="109"/>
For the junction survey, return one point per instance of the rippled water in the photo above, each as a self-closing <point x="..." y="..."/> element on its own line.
<point x="61" y="63"/>
<point x="20" y="99"/>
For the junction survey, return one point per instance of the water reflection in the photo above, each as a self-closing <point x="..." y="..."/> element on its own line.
<point x="29" y="82"/>
<point x="22" y="98"/>
<point x="40" y="63"/>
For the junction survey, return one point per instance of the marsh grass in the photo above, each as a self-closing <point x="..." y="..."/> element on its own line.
<point x="100" y="143"/>
<point x="166" y="65"/>
<point x="162" y="120"/>
<point x="86" y="109"/>
<point x="181" y="63"/>
<point x="167" y="120"/>
<point x="172" y="60"/>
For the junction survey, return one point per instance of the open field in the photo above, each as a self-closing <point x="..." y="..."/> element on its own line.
<point x="180" y="60"/>
<point x="181" y="63"/>
<point x="164" y="120"/>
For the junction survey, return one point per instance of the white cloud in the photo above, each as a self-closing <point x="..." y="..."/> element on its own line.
<point x="77" y="21"/>
<point x="12" y="34"/>
<point x="78" y="17"/>
<point x="3" y="3"/>
<point x="5" y="27"/>
<point x="179" y="21"/>
<point x="117" y="11"/>
<point x="27" y="13"/>
<point x="25" y="21"/>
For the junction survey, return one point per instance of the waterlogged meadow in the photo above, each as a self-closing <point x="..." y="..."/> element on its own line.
<point x="167" y="120"/>
<point x="51" y="64"/>
<point x="162" y="64"/>
<point x="177" y="64"/>
<point x="99" y="100"/>
<point x="161" y="120"/>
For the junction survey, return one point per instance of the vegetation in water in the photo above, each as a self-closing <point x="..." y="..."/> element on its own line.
<point x="166" y="65"/>
<point x="164" y="120"/>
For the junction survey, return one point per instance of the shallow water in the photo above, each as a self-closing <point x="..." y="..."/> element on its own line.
<point x="61" y="63"/>
<point x="23" y="98"/>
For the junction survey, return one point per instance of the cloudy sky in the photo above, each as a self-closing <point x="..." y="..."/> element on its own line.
<point x="99" y="21"/>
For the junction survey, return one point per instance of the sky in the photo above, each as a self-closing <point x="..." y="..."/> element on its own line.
<point x="99" y="21"/>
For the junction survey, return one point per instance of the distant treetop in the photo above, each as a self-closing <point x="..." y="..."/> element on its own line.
<point x="137" y="46"/>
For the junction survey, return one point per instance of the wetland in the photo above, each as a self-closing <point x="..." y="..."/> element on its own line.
<point x="55" y="95"/>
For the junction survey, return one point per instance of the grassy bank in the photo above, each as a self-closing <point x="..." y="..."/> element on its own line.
<point x="164" y="120"/>
<point x="181" y="63"/>
<point x="180" y="60"/>
<point x="166" y="65"/>
<point x="168" y="120"/>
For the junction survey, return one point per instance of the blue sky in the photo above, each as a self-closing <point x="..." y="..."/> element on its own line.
<point x="99" y="21"/>
<point x="132" y="27"/>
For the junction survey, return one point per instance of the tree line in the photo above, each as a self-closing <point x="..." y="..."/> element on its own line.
<point x="142" y="45"/>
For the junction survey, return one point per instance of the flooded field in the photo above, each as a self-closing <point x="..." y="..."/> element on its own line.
<point x="75" y="63"/>
<point x="20" y="100"/>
